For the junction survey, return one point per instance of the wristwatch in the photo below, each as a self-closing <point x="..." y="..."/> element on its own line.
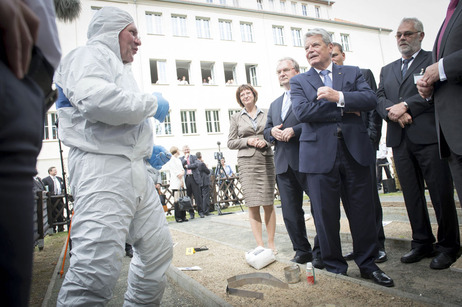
<point x="406" y="105"/>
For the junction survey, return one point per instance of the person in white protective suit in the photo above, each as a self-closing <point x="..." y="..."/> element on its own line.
<point x="106" y="122"/>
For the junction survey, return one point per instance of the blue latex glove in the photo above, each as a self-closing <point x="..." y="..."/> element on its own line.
<point x="162" y="107"/>
<point x="159" y="157"/>
<point x="62" y="101"/>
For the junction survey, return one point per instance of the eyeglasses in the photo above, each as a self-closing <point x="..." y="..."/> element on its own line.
<point x="405" y="34"/>
<point x="285" y="70"/>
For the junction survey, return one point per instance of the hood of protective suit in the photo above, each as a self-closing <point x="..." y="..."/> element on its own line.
<point x="105" y="27"/>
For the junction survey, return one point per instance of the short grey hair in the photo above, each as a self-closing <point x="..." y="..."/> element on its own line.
<point x="294" y="63"/>
<point x="319" y="31"/>
<point x="418" y="25"/>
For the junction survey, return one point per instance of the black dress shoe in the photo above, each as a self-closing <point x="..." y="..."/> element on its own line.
<point x="201" y="215"/>
<point x="302" y="258"/>
<point x="179" y="220"/>
<point x="318" y="263"/>
<point x="381" y="256"/>
<point x="379" y="277"/>
<point x="417" y="254"/>
<point x="185" y="220"/>
<point x="349" y="256"/>
<point x="442" y="261"/>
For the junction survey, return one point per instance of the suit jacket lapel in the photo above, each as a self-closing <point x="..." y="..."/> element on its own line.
<point x="314" y="79"/>
<point x="416" y="63"/>
<point x="397" y="70"/>
<point x="278" y="107"/>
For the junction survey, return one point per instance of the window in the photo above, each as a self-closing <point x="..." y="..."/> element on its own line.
<point x="212" y="120"/>
<point x="182" y="72"/>
<point x="179" y="25"/>
<point x="296" y="37"/>
<point x="207" y="72"/>
<point x="230" y="73"/>
<point x="50" y="129"/>
<point x="246" y="32"/>
<point x="209" y="1"/>
<point x="251" y="74"/>
<point x="332" y="36"/>
<point x="294" y="7"/>
<point x="278" y="35"/>
<point x="154" y="23"/>
<point x="282" y="6"/>
<point x="231" y="112"/>
<point x="271" y="4"/>
<point x="226" y="33"/>
<point x="259" y="4"/>
<point x="203" y="28"/>
<point x="164" y="128"/>
<point x="188" y="122"/>
<point x="317" y="11"/>
<point x="223" y="2"/>
<point x="236" y="3"/>
<point x="345" y="39"/>
<point x="303" y="69"/>
<point x="304" y="10"/>
<point x="158" y="71"/>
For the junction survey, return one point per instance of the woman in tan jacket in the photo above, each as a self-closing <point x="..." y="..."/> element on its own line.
<point x="255" y="161"/>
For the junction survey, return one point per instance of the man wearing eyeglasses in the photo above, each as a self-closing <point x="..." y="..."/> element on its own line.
<point x="411" y="133"/>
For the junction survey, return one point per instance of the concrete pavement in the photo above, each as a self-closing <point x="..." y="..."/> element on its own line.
<point x="416" y="280"/>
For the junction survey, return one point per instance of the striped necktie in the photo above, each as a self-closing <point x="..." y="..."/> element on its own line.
<point x="285" y="105"/>
<point x="326" y="79"/>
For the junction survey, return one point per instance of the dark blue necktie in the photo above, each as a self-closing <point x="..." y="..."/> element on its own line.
<point x="405" y="66"/>
<point x="327" y="80"/>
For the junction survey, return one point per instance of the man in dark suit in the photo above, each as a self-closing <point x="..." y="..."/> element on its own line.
<point x="53" y="183"/>
<point x="373" y="123"/>
<point x="205" y="183"/>
<point x="38" y="185"/>
<point x="411" y="133"/>
<point x="443" y="82"/>
<point x="192" y="180"/>
<point x="336" y="154"/>
<point x="283" y="130"/>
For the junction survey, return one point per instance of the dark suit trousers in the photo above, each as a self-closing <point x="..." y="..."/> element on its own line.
<point x="414" y="164"/>
<point x="455" y="163"/>
<point x="21" y="128"/>
<point x="355" y="183"/>
<point x="194" y="189"/>
<point x="205" y="191"/>
<point x="290" y="186"/>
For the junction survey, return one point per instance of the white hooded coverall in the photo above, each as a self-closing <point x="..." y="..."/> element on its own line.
<point x="109" y="132"/>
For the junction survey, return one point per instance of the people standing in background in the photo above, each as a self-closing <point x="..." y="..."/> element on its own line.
<point x="192" y="180"/>
<point x="442" y="82"/>
<point x="53" y="183"/>
<point x="255" y="161"/>
<point x="226" y="184"/>
<point x="175" y="167"/>
<point x="205" y="185"/>
<point x="411" y="133"/>
<point x="283" y="130"/>
<point x="373" y="123"/>
<point x="382" y="163"/>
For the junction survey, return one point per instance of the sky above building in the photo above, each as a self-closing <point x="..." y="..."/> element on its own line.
<point x="388" y="14"/>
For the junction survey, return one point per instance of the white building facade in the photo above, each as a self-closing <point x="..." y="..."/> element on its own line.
<point x="216" y="45"/>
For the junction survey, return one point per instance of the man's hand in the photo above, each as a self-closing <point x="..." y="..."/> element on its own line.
<point x="19" y="28"/>
<point x="405" y="119"/>
<point x="282" y="135"/>
<point x="328" y="93"/>
<point x="260" y="144"/>
<point x="276" y="132"/>
<point x="396" y="111"/>
<point x="425" y="84"/>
